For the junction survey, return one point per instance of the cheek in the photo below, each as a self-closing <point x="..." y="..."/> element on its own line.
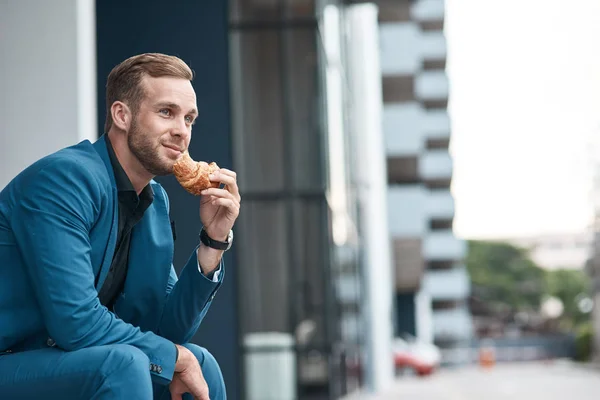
<point x="154" y="128"/>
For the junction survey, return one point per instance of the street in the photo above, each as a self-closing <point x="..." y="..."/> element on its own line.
<point x="555" y="381"/>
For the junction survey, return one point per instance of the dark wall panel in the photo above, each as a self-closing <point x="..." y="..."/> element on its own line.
<point x="405" y="314"/>
<point x="195" y="31"/>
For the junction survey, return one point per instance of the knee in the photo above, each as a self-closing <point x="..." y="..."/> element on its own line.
<point x="129" y="361"/>
<point x="125" y="373"/>
<point x="210" y="370"/>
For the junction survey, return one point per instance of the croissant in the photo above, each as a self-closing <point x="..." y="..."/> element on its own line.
<point x="192" y="175"/>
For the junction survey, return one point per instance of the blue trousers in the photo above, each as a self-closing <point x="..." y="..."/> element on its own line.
<point x="97" y="373"/>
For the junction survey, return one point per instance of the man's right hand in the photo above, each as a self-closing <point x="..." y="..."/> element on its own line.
<point x="188" y="377"/>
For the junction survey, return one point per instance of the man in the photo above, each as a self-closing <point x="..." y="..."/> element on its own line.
<point x="90" y="305"/>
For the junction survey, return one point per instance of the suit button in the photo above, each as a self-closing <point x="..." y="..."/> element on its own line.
<point x="50" y="342"/>
<point x="159" y="369"/>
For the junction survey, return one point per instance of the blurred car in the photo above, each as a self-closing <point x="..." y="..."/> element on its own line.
<point x="414" y="356"/>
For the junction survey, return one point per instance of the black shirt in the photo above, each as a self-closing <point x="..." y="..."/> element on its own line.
<point x="131" y="211"/>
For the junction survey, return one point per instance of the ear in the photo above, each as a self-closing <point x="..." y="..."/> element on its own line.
<point x="121" y="115"/>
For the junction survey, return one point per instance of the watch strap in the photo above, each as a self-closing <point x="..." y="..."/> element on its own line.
<point x="212" y="243"/>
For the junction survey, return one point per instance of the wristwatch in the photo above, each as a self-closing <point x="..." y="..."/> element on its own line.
<point x="215" y="244"/>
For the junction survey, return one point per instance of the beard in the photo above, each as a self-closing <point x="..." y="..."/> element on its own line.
<point x="147" y="153"/>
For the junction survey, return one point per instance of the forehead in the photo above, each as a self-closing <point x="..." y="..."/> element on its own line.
<point x="169" y="89"/>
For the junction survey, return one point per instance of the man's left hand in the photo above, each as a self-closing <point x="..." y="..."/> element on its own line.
<point x="219" y="208"/>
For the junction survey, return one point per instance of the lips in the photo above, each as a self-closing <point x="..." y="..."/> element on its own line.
<point x="173" y="147"/>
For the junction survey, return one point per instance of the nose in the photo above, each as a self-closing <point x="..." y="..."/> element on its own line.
<point x="181" y="129"/>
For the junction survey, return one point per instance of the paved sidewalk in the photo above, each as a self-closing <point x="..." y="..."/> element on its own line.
<point x="526" y="381"/>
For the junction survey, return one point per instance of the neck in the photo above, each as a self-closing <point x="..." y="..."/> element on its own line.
<point x="135" y="171"/>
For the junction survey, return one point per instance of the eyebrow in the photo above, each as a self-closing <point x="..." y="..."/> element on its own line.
<point x="174" y="106"/>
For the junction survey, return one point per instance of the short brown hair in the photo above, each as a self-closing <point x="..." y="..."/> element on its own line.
<point x="124" y="81"/>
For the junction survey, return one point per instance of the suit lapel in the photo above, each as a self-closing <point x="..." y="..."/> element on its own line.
<point x="100" y="147"/>
<point x="112" y="241"/>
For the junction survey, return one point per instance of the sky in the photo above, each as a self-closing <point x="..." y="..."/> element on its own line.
<point x="525" y="111"/>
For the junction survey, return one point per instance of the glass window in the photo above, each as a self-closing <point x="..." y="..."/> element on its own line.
<point x="271" y="10"/>
<point x="258" y="109"/>
<point x="310" y="245"/>
<point x="288" y="275"/>
<point x="255" y="10"/>
<point x="305" y="128"/>
<point x="264" y="272"/>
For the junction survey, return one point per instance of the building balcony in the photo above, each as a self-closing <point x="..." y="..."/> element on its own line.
<point x="400" y="48"/>
<point x="432" y="86"/>
<point x="436" y="124"/>
<point x="408" y="126"/>
<point x="443" y="245"/>
<point x="451" y="284"/>
<point x="428" y="10"/>
<point x="402" y="128"/>
<point x="440" y="205"/>
<point x="405" y="50"/>
<point x="454" y="324"/>
<point x="407" y="214"/>
<point x="433" y="46"/>
<point x="435" y="165"/>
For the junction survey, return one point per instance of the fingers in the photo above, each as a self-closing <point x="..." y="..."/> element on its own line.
<point x="230" y="204"/>
<point x="229" y="178"/>
<point x="228" y="172"/>
<point x="203" y="396"/>
<point x="193" y="383"/>
<point x="175" y="395"/>
<point x="216" y="193"/>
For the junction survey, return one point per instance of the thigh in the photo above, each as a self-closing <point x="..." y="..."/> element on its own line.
<point x="55" y="374"/>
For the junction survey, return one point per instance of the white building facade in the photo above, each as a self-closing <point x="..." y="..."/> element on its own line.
<point x="432" y="283"/>
<point x="558" y="250"/>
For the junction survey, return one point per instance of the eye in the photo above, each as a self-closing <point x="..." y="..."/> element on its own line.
<point x="189" y="119"/>
<point x="165" y="111"/>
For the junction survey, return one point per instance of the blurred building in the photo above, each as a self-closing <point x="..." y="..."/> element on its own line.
<point x="299" y="277"/>
<point x="557" y="251"/>
<point x="592" y="266"/>
<point x="432" y="283"/>
<point x="593" y="270"/>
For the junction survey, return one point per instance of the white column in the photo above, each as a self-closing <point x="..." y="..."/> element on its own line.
<point x="370" y="162"/>
<point x="47" y="84"/>
<point x="87" y="115"/>
<point x="424" y="316"/>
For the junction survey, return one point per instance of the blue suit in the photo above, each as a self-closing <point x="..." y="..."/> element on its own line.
<point x="58" y="230"/>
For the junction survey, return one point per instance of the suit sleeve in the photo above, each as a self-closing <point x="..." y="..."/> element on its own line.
<point x="51" y="224"/>
<point x="188" y="299"/>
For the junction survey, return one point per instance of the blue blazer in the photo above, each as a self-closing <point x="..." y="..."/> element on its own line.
<point x="58" y="230"/>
